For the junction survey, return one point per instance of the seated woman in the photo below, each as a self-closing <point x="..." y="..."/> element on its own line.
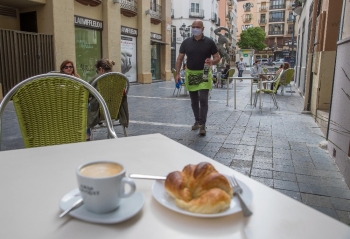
<point x="256" y="71"/>
<point x="224" y="72"/>
<point x="67" y="67"/>
<point x="102" y="66"/>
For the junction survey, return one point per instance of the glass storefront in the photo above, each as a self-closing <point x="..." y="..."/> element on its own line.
<point x="88" y="50"/>
<point x="155" y="61"/>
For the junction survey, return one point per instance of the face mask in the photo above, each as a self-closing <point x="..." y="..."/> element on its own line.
<point x="196" y="31"/>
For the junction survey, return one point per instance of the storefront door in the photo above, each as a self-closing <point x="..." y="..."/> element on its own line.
<point x="155" y="61"/>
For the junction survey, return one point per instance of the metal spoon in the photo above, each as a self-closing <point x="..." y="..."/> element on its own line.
<point x="74" y="206"/>
<point x="142" y="176"/>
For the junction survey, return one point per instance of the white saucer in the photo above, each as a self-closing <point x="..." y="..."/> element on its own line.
<point x="159" y="193"/>
<point x="128" y="208"/>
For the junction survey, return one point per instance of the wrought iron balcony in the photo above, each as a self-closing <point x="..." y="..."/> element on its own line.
<point x="128" y="7"/>
<point x="247" y="19"/>
<point x="214" y="17"/>
<point x="156" y="13"/>
<point x="196" y="13"/>
<point x="280" y="6"/>
<point x="262" y="21"/>
<point x="263" y="9"/>
<point x="281" y="32"/>
<point x="289" y="32"/>
<point x="275" y="19"/>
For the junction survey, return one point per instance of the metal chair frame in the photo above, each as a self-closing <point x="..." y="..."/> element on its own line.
<point x="54" y="76"/>
<point x="289" y="76"/>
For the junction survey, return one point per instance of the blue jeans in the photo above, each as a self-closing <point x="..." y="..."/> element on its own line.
<point x="240" y="73"/>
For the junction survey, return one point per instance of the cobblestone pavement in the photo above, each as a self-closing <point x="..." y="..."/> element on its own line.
<point x="277" y="147"/>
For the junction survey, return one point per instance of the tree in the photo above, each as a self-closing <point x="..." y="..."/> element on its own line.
<point x="252" y="38"/>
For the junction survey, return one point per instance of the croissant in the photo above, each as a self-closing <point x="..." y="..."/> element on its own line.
<point x="199" y="189"/>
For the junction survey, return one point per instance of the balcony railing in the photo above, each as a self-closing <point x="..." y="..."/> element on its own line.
<point x="275" y="19"/>
<point x="196" y="13"/>
<point x="262" y="21"/>
<point x="214" y="17"/>
<point x="263" y="9"/>
<point x="172" y="13"/>
<point x="247" y="19"/>
<point x="290" y="20"/>
<point x="156" y="13"/>
<point x="281" y="6"/>
<point x="217" y="23"/>
<point x="128" y="7"/>
<point x="276" y="32"/>
<point x="289" y="32"/>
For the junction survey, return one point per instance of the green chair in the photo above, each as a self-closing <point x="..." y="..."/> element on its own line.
<point x="230" y="73"/>
<point x="265" y="70"/>
<point x="268" y="91"/>
<point x="286" y="78"/>
<point x="52" y="109"/>
<point x="113" y="86"/>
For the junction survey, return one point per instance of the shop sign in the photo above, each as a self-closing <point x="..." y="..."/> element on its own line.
<point x="245" y="55"/>
<point x="156" y="36"/>
<point x="88" y="22"/>
<point x="128" y="31"/>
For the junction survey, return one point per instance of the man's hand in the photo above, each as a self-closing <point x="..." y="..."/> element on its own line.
<point x="177" y="78"/>
<point x="209" y="62"/>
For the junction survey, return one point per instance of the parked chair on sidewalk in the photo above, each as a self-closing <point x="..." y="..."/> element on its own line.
<point x="178" y="85"/>
<point x="52" y="109"/>
<point x="270" y="92"/>
<point x="286" y="79"/>
<point x="229" y="74"/>
<point x="114" y="87"/>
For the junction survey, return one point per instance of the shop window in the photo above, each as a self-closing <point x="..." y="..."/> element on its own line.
<point x="88" y="50"/>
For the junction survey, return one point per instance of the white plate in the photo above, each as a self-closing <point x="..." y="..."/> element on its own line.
<point x="128" y="208"/>
<point x="159" y="193"/>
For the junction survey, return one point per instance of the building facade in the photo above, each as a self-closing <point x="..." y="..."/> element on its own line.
<point x="276" y="19"/>
<point x="213" y="14"/>
<point x="135" y="34"/>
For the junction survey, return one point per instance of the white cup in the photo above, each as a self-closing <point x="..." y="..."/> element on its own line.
<point x="102" y="185"/>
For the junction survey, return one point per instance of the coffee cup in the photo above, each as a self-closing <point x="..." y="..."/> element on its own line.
<point x="102" y="185"/>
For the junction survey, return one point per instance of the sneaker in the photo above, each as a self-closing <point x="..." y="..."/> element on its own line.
<point x="202" y="130"/>
<point x="195" y="126"/>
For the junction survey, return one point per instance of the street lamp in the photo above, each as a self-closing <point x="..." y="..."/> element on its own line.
<point x="184" y="31"/>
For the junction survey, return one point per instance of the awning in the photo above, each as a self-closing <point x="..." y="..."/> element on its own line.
<point x="159" y="42"/>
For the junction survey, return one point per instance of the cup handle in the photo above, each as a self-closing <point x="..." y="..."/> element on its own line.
<point x="132" y="187"/>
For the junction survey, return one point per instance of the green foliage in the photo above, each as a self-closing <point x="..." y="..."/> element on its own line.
<point x="252" y="38"/>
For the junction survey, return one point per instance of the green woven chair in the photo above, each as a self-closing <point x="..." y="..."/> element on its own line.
<point x="286" y="79"/>
<point x="230" y="73"/>
<point x="112" y="86"/>
<point x="265" y="70"/>
<point x="270" y="92"/>
<point x="52" y="109"/>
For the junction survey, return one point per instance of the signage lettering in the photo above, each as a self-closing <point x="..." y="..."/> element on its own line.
<point x="156" y="36"/>
<point x="128" y="31"/>
<point x="87" y="22"/>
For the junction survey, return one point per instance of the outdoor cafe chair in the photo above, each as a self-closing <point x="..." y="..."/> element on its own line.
<point x="178" y="86"/>
<point x="286" y="79"/>
<point x="113" y="86"/>
<point x="229" y="74"/>
<point x="52" y="109"/>
<point x="272" y="92"/>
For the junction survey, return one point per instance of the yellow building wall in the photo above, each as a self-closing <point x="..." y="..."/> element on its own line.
<point x="87" y="11"/>
<point x="10" y="23"/>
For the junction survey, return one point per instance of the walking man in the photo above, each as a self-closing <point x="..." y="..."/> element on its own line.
<point x="199" y="50"/>
<point x="241" y="67"/>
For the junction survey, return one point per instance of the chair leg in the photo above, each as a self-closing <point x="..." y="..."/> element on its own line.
<point x="174" y="91"/>
<point x="255" y="99"/>
<point x="282" y="89"/>
<point x="125" y="134"/>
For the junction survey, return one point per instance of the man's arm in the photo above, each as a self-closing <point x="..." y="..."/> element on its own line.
<point x="178" y="64"/>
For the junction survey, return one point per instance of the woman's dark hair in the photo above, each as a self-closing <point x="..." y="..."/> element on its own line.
<point x="285" y="65"/>
<point x="105" y="64"/>
<point x="281" y="66"/>
<point x="64" y="63"/>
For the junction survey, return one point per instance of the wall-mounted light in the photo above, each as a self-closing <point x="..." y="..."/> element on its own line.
<point x="148" y="12"/>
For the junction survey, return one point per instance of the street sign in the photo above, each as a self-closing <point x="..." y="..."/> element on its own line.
<point x="245" y="55"/>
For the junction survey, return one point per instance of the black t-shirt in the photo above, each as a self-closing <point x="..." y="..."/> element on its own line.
<point x="197" y="51"/>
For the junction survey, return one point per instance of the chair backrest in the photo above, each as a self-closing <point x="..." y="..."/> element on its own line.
<point x="265" y="70"/>
<point x="277" y="82"/>
<point x="112" y="86"/>
<point x="52" y="109"/>
<point x="287" y="76"/>
<point x="231" y="72"/>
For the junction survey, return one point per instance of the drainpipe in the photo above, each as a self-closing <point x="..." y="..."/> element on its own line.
<point x="311" y="50"/>
<point x="336" y="53"/>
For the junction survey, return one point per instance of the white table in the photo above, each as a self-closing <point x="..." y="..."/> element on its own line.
<point x="33" y="181"/>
